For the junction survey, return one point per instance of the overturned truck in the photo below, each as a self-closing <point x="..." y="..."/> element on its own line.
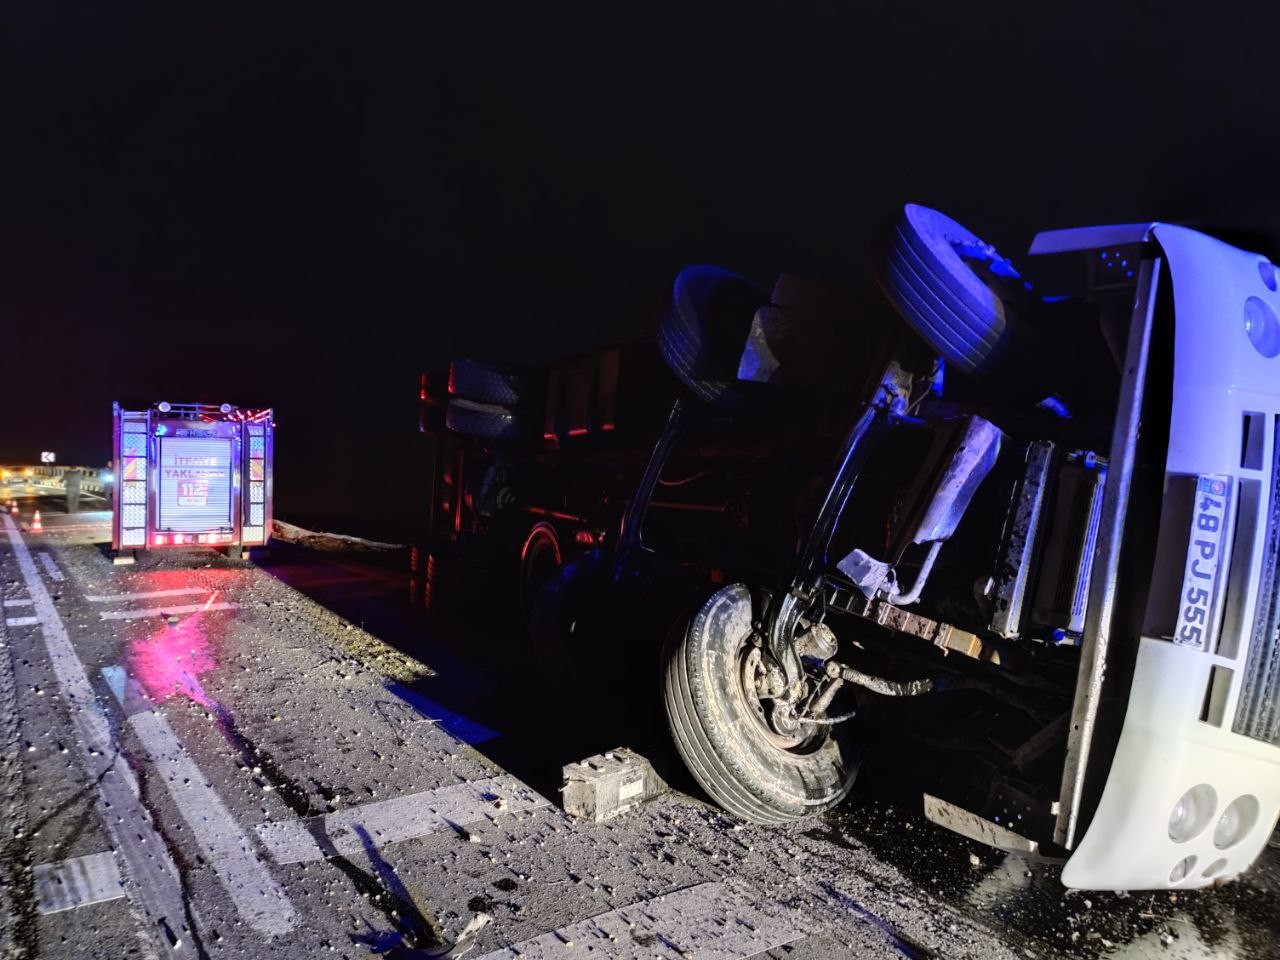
<point x="1042" y="551"/>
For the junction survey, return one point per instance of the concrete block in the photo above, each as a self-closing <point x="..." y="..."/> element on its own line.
<point x="608" y="784"/>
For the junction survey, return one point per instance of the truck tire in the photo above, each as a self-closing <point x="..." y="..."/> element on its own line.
<point x="451" y="585"/>
<point x="956" y="291"/>
<point x="704" y="330"/>
<point x="486" y="421"/>
<point x="541" y="558"/>
<point x="433" y="397"/>
<point x="491" y="383"/>
<point x="439" y="585"/>
<point x="720" y="729"/>
<point x="417" y="575"/>
<point x="564" y="619"/>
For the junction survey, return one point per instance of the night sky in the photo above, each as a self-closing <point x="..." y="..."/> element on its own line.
<point x="305" y="206"/>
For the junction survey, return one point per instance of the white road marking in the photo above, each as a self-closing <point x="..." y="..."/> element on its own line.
<point x="145" y="594"/>
<point x="20" y="602"/>
<point x="256" y="894"/>
<point x="51" y="568"/>
<point x="161" y="611"/>
<point x="115" y="677"/>
<point x="155" y="886"/>
<point x="711" y="921"/>
<point x="399" y="818"/>
<point x="21" y="621"/>
<point x="77" y="882"/>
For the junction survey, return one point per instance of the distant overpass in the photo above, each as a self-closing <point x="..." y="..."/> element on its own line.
<point x="49" y="476"/>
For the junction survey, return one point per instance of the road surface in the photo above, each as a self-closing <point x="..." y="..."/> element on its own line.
<point x="208" y="758"/>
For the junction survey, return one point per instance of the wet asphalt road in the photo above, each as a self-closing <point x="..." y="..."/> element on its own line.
<point x="319" y="772"/>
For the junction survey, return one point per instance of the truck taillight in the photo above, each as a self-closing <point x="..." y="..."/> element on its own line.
<point x="160" y="540"/>
<point x="179" y="538"/>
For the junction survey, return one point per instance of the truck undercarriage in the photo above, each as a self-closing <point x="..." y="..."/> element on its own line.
<point x="991" y="560"/>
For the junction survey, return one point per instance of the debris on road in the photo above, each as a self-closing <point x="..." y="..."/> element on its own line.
<point x="290" y="533"/>
<point x="388" y="831"/>
<point x="609" y="784"/>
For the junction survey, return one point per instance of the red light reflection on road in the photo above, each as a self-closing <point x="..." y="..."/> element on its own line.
<point x="169" y="579"/>
<point x="170" y="661"/>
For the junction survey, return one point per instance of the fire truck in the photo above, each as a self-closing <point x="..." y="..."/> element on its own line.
<point x="191" y="474"/>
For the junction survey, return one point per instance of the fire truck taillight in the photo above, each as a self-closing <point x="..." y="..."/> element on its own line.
<point x="160" y="540"/>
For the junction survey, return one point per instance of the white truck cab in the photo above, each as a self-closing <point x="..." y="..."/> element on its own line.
<point x="1192" y="791"/>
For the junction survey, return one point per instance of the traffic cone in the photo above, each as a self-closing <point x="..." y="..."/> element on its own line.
<point x="36" y="525"/>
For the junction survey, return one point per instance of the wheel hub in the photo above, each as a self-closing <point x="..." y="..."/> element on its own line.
<point x="774" y="715"/>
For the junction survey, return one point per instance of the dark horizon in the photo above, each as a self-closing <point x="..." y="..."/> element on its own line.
<point x="336" y="204"/>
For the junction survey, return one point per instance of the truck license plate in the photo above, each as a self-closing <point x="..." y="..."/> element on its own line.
<point x="1197" y="618"/>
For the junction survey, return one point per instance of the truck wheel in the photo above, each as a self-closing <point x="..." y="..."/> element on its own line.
<point x="956" y="291"/>
<point x="433" y="396"/>
<point x="721" y="728"/>
<point x="491" y="383"/>
<point x="487" y="421"/>
<point x="540" y="561"/>
<point x="440" y="585"/>
<point x="417" y="575"/>
<point x="564" y="618"/>
<point x="451" y="584"/>
<point x="704" y="330"/>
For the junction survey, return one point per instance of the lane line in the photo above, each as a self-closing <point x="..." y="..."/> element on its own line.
<point x="51" y="568"/>
<point x="20" y="602"/>
<point x="256" y="894"/>
<point x="154" y="884"/>
<point x="21" y="621"/>
<point x="115" y="681"/>
<point x="712" y="920"/>
<point x="396" y="819"/>
<point x="142" y="595"/>
<point x="161" y="611"/>
<point x="78" y="882"/>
